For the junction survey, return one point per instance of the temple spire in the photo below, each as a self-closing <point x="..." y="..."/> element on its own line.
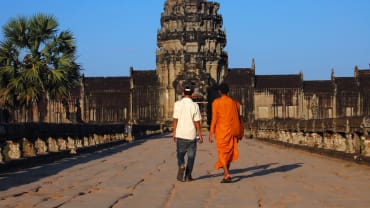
<point x="332" y="74"/>
<point x="191" y="43"/>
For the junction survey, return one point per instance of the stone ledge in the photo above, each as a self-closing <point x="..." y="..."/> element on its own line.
<point x="353" y="157"/>
<point x="27" y="162"/>
<point x="49" y="141"/>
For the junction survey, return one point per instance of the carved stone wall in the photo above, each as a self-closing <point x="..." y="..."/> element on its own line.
<point x="349" y="136"/>
<point x="278" y="97"/>
<point x="23" y="141"/>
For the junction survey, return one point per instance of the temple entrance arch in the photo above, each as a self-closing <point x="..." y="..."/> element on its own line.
<point x="200" y="95"/>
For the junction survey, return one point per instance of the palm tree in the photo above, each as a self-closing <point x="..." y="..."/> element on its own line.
<point x="36" y="63"/>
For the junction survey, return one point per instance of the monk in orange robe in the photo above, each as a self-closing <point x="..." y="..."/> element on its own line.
<point x="222" y="118"/>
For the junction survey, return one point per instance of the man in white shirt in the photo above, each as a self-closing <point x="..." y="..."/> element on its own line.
<point x="186" y="125"/>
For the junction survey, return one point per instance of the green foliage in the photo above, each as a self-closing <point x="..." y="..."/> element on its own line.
<point x="36" y="61"/>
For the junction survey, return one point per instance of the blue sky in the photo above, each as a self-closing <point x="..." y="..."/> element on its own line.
<point x="283" y="36"/>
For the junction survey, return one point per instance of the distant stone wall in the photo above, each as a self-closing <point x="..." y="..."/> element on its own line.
<point x="348" y="136"/>
<point x="28" y="140"/>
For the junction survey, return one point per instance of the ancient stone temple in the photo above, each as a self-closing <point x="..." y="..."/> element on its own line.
<point x="191" y="45"/>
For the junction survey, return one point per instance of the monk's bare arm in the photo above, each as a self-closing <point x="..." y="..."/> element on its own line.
<point x="213" y="123"/>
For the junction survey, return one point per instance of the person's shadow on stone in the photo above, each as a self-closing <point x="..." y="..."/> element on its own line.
<point x="262" y="172"/>
<point x="259" y="170"/>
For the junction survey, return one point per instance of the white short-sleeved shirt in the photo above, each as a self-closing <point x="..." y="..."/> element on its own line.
<point x="186" y="112"/>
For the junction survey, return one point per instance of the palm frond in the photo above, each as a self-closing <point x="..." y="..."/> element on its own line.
<point x="42" y="27"/>
<point x="16" y="31"/>
<point x="48" y="67"/>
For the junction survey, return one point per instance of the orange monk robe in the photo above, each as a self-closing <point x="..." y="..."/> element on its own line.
<point x="227" y="145"/>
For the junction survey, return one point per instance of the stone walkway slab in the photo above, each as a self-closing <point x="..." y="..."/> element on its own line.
<point x="143" y="174"/>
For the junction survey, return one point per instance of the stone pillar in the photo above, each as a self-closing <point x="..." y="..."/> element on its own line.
<point x="130" y="136"/>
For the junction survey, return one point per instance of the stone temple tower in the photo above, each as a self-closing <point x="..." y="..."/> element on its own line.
<point x="191" y="44"/>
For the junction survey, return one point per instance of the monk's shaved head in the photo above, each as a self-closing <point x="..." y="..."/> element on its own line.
<point x="224" y="88"/>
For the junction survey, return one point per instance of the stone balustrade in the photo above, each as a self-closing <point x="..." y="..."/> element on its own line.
<point x="29" y="140"/>
<point x="349" y="136"/>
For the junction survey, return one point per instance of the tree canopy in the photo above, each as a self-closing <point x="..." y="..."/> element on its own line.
<point x="36" y="61"/>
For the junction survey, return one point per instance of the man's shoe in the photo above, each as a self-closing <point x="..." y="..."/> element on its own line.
<point x="190" y="179"/>
<point x="180" y="174"/>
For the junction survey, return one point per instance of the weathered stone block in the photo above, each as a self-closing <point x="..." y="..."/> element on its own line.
<point x="356" y="143"/>
<point x="106" y="138"/>
<point x="92" y="140"/>
<point x="96" y="139"/>
<point x="339" y="142"/>
<point x="11" y="150"/>
<point x="101" y="139"/>
<point x="41" y="148"/>
<point x="302" y="140"/>
<point x="62" y="144"/>
<point x="365" y="146"/>
<point x="86" y="142"/>
<point x="79" y="143"/>
<point x="71" y="145"/>
<point x="28" y="148"/>
<point x="52" y="145"/>
<point x="349" y="144"/>
<point x="326" y="142"/>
